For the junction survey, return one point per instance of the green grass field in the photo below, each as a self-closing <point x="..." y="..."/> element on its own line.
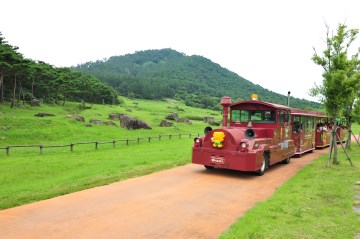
<point x="27" y="176"/>
<point x="316" y="203"/>
<point x="24" y="128"/>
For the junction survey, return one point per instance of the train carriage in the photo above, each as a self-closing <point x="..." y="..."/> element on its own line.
<point x="341" y="129"/>
<point x="303" y="124"/>
<point x="323" y="130"/>
<point x="324" y="127"/>
<point x="258" y="134"/>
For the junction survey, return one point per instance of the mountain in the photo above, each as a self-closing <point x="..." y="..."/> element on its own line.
<point x="166" y="73"/>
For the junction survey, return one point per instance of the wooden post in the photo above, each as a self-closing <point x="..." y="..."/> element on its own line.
<point x="41" y="148"/>
<point x="127" y="141"/>
<point x="344" y="149"/>
<point x="8" y="150"/>
<point x="114" y="143"/>
<point x="96" y="145"/>
<point x="159" y="137"/>
<point x="330" y="149"/>
<point x="357" y="141"/>
<point x="72" y="147"/>
<point x="149" y="139"/>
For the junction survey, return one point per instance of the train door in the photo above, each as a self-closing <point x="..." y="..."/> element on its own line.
<point x="284" y="135"/>
<point x="296" y="131"/>
<point x="323" y="132"/>
<point x="309" y="133"/>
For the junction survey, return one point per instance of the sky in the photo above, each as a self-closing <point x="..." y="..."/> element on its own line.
<point x="269" y="43"/>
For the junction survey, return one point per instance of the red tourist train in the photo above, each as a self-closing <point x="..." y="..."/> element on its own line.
<point x="259" y="134"/>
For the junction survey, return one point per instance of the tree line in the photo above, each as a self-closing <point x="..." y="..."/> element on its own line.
<point x="22" y="80"/>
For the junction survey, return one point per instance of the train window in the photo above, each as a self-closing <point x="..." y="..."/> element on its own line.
<point x="297" y="124"/>
<point x="281" y="117"/>
<point x="302" y="123"/>
<point x="235" y="115"/>
<point x="256" y="116"/>
<point x="269" y="116"/>
<point x="288" y="117"/>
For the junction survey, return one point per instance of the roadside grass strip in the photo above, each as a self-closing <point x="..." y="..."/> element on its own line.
<point x="316" y="203"/>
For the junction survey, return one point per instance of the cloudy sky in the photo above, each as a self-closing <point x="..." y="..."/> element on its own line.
<point x="269" y="43"/>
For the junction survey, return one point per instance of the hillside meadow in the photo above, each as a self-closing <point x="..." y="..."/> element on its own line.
<point x="27" y="176"/>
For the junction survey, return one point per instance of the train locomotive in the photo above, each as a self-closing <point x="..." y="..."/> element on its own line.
<point x="256" y="134"/>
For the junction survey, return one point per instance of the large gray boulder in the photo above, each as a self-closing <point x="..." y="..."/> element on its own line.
<point x="96" y="121"/>
<point x="184" y="120"/>
<point x="77" y="117"/>
<point x="115" y="116"/>
<point x="43" y="115"/>
<point x="131" y="123"/>
<point x="173" y="116"/>
<point x="165" y="123"/>
<point x="35" y="102"/>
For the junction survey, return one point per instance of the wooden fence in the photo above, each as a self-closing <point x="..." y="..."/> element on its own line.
<point x="97" y="143"/>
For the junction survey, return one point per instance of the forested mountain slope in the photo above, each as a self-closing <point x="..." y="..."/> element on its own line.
<point x="166" y="73"/>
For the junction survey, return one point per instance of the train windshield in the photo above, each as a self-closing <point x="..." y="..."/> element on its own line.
<point x="256" y="116"/>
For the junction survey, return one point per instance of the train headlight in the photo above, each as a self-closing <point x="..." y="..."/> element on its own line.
<point x="197" y="142"/>
<point x="243" y="147"/>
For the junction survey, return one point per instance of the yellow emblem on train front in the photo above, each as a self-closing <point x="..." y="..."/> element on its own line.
<point x="218" y="139"/>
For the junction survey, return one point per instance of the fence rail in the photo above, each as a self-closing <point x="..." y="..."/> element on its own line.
<point x="97" y="143"/>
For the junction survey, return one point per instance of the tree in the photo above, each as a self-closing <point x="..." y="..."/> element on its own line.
<point x="336" y="91"/>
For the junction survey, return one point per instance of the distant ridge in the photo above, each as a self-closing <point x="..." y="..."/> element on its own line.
<point x="166" y="73"/>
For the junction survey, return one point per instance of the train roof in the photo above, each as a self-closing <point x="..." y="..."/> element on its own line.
<point x="295" y="111"/>
<point x="276" y="106"/>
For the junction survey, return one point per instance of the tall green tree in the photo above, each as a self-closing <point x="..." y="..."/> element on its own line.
<point x="9" y="57"/>
<point x="337" y="89"/>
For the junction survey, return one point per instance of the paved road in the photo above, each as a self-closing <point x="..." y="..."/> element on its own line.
<point x="184" y="202"/>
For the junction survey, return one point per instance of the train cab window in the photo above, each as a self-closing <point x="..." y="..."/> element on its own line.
<point x="235" y="115"/>
<point x="269" y="116"/>
<point x="256" y="116"/>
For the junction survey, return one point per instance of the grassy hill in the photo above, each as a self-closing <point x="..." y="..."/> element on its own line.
<point x="25" y="128"/>
<point x="166" y="73"/>
<point x="27" y="176"/>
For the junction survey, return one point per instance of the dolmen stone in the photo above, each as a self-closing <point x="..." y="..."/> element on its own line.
<point x="77" y="117"/>
<point x="165" y="123"/>
<point x="173" y="116"/>
<point x="184" y="120"/>
<point x="131" y="123"/>
<point x="115" y="116"/>
<point x="43" y="115"/>
<point x="35" y="102"/>
<point x="96" y="121"/>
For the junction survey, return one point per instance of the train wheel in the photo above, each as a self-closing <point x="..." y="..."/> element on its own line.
<point x="286" y="161"/>
<point x="208" y="167"/>
<point x="261" y="171"/>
